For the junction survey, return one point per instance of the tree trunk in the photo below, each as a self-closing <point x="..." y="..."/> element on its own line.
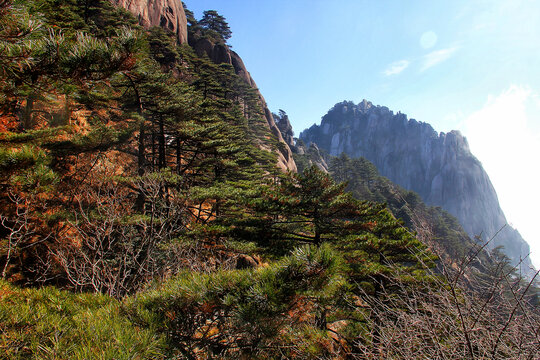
<point x="161" y="145"/>
<point x="141" y="161"/>
<point x="27" y="120"/>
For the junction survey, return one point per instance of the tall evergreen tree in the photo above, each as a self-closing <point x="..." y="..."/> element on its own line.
<point x="309" y="207"/>
<point x="216" y="23"/>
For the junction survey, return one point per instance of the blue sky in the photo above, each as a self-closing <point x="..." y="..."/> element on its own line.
<point x="471" y="65"/>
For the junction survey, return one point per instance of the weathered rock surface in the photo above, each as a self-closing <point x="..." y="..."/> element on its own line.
<point x="439" y="167"/>
<point x="285" y="128"/>
<point x="169" y="14"/>
<point x="308" y="156"/>
<point x="219" y="54"/>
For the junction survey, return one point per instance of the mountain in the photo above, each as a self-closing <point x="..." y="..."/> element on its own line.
<point x="434" y="226"/>
<point x="439" y="167"/>
<point x="141" y="202"/>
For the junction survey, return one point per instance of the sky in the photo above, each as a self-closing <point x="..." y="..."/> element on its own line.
<point x="469" y="65"/>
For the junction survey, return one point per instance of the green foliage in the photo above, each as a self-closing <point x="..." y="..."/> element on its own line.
<point x="365" y="183"/>
<point x="242" y="311"/>
<point x="163" y="46"/>
<point x="309" y="207"/>
<point x="129" y="98"/>
<point x="24" y="156"/>
<point x="215" y="25"/>
<point x="94" y="59"/>
<point x="53" y="324"/>
<point x="100" y="138"/>
<point x="33" y="136"/>
<point x="160" y="175"/>
<point x="27" y="167"/>
<point x="99" y="17"/>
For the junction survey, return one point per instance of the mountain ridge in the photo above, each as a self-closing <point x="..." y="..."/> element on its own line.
<point x="142" y="203"/>
<point x="438" y="166"/>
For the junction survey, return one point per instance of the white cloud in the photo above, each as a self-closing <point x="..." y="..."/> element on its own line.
<point x="504" y="135"/>
<point x="436" y="57"/>
<point x="396" y="67"/>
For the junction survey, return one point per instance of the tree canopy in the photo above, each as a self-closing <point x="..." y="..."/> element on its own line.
<point x="215" y="22"/>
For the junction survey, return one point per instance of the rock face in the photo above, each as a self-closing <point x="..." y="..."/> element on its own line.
<point x="313" y="156"/>
<point x="439" y="167"/>
<point x="285" y="128"/>
<point x="220" y="54"/>
<point x="169" y="14"/>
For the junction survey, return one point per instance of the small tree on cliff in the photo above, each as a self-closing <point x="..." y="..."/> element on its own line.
<point x="215" y="22"/>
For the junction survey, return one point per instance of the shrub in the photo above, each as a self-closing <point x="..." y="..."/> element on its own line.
<point x="53" y="324"/>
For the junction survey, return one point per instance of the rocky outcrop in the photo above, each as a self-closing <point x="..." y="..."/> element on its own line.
<point x="168" y="14"/>
<point x="439" y="167"/>
<point x="221" y="53"/>
<point x="307" y="156"/>
<point x="285" y="128"/>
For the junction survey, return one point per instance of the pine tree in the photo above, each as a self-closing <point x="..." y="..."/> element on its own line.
<point x="216" y="24"/>
<point x="310" y="207"/>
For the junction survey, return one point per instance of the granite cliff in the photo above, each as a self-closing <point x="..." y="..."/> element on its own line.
<point x="169" y="14"/>
<point x="439" y="167"/>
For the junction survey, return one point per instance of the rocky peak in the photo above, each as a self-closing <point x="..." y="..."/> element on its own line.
<point x="456" y="140"/>
<point x="310" y="155"/>
<point x="285" y="127"/>
<point x="439" y="167"/>
<point x="365" y="105"/>
<point x="168" y="14"/>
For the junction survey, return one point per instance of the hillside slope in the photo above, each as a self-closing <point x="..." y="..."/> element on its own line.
<point x="142" y="217"/>
<point x="171" y="16"/>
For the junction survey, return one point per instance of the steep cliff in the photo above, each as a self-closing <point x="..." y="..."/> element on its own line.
<point x="169" y="14"/>
<point x="439" y="167"/>
<point x="285" y="128"/>
<point x="221" y="53"/>
<point x="305" y="157"/>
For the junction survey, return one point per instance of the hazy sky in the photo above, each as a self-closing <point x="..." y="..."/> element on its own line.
<point x="471" y="65"/>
